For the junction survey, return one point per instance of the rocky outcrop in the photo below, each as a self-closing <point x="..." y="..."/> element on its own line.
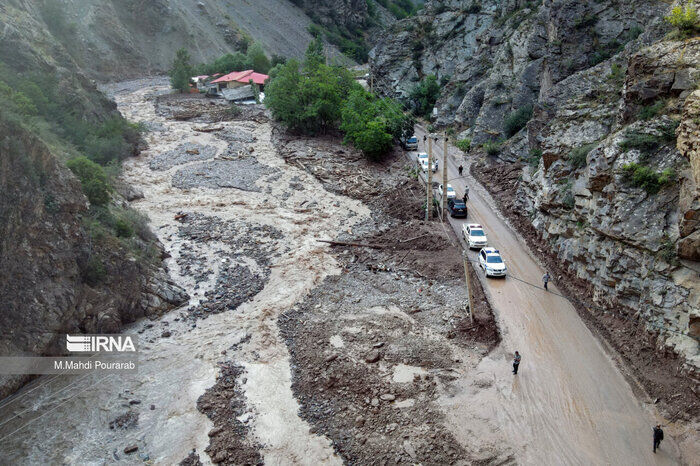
<point x="689" y="202"/>
<point x="345" y="13"/>
<point x="47" y="259"/>
<point x="494" y="57"/>
<point x="607" y="94"/>
<point x="624" y="240"/>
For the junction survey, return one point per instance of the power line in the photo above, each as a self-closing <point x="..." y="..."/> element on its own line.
<point x="17" y="396"/>
<point x="53" y="395"/>
<point x="54" y="408"/>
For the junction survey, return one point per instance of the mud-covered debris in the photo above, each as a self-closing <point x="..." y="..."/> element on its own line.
<point x="125" y="421"/>
<point x="130" y="449"/>
<point x="373" y="356"/>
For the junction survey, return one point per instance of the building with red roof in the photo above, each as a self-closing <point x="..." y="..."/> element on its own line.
<point x="240" y="78"/>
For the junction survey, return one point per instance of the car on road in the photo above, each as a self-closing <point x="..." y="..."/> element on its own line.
<point x="423" y="162"/>
<point x="410" y="143"/>
<point x="491" y="261"/>
<point x="474" y="235"/>
<point x="451" y="193"/>
<point x="457" y="208"/>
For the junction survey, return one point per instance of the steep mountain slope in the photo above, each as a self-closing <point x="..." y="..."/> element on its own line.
<point x="65" y="266"/>
<point x="594" y="178"/>
<point x="119" y="39"/>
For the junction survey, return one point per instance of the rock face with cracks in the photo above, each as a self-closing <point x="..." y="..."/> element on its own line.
<point x="595" y="172"/>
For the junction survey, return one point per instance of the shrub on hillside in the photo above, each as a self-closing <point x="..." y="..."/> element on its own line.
<point x="492" y="148"/>
<point x="92" y="179"/>
<point x="464" y="144"/>
<point x="647" y="144"/>
<point x="642" y="176"/>
<point x="123" y="228"/>
<point x="648" y="112"/>
<point x="517" y="120"/>
<point x="94" y="272"/>
<point x="685" y="20"/>
<point x="577" y="157"/>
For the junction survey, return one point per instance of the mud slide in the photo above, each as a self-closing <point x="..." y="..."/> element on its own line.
<point x="247" y="228"/>
<point x="569" y="403"/>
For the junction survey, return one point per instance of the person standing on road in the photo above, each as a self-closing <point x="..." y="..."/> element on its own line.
<point x="545" y="279"/>
<point x="460" y="170"/>
<point x="516" y="362"/>
<point x="658" y="437"/>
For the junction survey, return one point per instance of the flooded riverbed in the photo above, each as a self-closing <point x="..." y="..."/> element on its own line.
<point x="245" y="249"/>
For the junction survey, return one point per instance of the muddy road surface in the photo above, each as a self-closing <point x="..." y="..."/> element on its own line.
<point x="569" y="403"/>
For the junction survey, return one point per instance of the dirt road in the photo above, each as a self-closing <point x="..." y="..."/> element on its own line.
<point x="569" y="403"/>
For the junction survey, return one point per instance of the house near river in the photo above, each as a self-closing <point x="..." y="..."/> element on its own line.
<point x="235" y="86"/>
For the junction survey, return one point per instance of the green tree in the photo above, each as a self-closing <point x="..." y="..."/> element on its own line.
<point x="308" y="99"/>
<point x="314" y="54"/>
<point x="226" y="64"/>
<point x="371" y="124"/>
<point x="257" y="59"/>
<point x="181" y="71"/>
<point x="374" y="140"/>
<point x="424" y="95"/>
<point x="93" y="180"/>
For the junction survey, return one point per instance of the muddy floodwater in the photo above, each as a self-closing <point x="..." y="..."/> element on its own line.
<point x="247" y="222"/>
<point x="291" y="351"/>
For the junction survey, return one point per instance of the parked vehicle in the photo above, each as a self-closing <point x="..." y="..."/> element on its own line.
<point x="451" y="193"/>
<point x="423" y="162"/>
<point x="410" y="143"/>
<point x="491" y="261"/>
<point x="474" y="235"/>
<point x="457" y="208"/>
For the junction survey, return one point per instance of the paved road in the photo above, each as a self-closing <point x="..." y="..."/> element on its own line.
<point x="569" y="404"/>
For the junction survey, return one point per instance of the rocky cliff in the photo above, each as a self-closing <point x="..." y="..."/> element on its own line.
<point x="595" y="174"/>
<point x="56" y="275"/>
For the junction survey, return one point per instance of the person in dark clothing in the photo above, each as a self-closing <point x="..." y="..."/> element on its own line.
<point x="460" y="169"/>
<point x="516" y="362"/>
<point x="545" y="279"/>
<point x="658" y="437"/>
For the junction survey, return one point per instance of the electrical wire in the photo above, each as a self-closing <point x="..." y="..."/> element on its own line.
<point x="47" y="400"/>
<point x="55" y="407"/>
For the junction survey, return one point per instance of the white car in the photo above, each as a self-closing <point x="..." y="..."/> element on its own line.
<point x="474" y="235"/>
<point x="423" y="162"/>
<point x="451" y="193"/>
<point x="491" y="261"/>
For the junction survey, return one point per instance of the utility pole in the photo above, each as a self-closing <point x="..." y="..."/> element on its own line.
<point x="444" y="178"/>
<point x="469" y="286"/>
<point x="429" y="195"/>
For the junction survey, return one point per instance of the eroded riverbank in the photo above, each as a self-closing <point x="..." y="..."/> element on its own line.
<point x="273" y="359"/>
